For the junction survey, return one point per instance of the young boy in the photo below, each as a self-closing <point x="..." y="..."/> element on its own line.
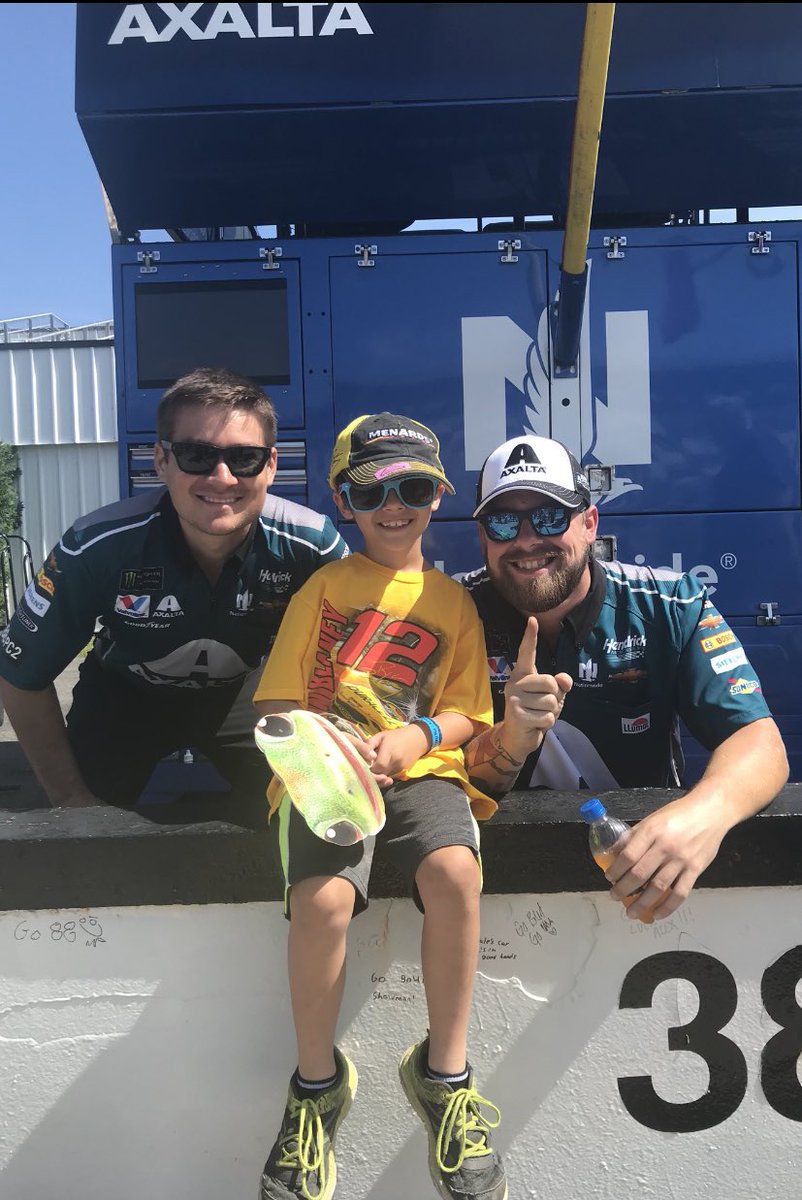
<point x="393" y="645"/>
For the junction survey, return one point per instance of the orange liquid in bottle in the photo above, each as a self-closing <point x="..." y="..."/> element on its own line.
<point x="602" y="859"/>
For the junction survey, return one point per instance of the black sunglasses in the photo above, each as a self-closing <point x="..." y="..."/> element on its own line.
<point x="414" y="491"/>
<point x="201" y="458"/>
<point x="548" y="521"/>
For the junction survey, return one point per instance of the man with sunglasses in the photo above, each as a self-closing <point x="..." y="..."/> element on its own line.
<point x="592" y="664"/>
<point x="184" y="587"/>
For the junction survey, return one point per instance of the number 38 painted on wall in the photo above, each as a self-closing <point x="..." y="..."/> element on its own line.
<point x="718" y="997"/>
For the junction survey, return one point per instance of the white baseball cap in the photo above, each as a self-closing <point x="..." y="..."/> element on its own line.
<point x="533" y="464"/>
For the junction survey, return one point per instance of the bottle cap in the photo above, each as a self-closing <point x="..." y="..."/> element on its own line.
<point x="591" y="810"/>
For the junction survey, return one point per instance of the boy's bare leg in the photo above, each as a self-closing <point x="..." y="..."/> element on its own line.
<point x="321" y="910"/>
<point x="449" y="884"/>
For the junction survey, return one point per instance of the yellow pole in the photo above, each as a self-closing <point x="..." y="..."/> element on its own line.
<point x="587" y="131"/>
<point x="593" y="65"/>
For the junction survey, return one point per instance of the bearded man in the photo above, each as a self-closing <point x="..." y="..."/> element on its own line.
<point x="592" y="666"/>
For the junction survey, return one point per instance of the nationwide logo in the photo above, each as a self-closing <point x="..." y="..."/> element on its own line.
<point x="636" y="724"/>
<point x="499" y="670"/>
<point x="743" y="687"/>
<point x="725" y="662"/>
<point x="36" y="603"/>
<point x="133" y="606"/>
<point x="717" y="641"/>
<point x="243" y="601"/>
<point x="522" y="461"/>
<point x="272" y="21"/>
<point x="169" y="607"/>
<point x="588" y="670"/>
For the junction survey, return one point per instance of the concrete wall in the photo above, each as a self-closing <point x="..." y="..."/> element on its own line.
<point x="145" y="1048"/>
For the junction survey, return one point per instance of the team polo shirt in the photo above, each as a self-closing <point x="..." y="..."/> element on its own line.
<point x="644" y="648"/>
<point x="161" y="623"/>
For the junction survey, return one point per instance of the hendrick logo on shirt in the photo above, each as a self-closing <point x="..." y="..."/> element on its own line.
<point x="636" y="724"/>
<point x="132" y="606"/>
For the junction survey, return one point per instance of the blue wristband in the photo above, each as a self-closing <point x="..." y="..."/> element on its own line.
<point x="432" y="728"/>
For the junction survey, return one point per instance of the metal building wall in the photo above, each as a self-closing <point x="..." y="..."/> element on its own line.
<point x="57" y="394"/>
<point x="58" y="406"/>
<point x="60" y="483"/>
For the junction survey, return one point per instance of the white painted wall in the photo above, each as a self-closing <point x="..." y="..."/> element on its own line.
<point x="145" y="1052"/>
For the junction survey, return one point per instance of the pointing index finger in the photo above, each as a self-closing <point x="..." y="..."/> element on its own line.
<point x="527" y="651"/>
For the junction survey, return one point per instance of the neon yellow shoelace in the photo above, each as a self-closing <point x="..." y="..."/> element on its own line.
<point x="461" y="1119"/>
<point x="303" y="1149"/>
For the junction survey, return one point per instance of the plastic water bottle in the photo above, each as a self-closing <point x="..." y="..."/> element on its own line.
<point x="604" y="833"/>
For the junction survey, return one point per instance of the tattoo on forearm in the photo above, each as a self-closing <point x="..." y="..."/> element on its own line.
<point x="487" y="751"/>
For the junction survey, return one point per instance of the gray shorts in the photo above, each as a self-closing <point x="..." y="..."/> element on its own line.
<point x="422" y="815"/>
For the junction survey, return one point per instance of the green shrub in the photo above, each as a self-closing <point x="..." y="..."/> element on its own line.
<point x="10" y="509"/>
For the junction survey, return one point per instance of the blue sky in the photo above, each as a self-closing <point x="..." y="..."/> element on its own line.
<point x="55" y="249"/>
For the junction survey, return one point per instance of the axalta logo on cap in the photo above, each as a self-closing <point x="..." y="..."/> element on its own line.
<point x="523" y="469"/>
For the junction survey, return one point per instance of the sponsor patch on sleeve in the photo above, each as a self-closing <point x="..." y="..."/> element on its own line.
<point x="717" y="640"/>
<point x="725" y="662"/>
<point x="36" y="603"/>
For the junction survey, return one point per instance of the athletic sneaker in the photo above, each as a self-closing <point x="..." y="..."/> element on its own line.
<point x="301" y="1163"/>
<point x="462" y="1163"/>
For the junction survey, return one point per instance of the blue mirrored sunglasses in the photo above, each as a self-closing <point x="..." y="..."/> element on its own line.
<point x="414" y="491"/>
<point x="548" y="521"/>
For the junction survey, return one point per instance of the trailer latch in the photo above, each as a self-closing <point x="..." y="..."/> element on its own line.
<point x="506" y="246"/>
<point x="364" y="253"/>
<point x="147" y="258"/>
<point x="614" y="245"/>
<point x="760" y="237"/>
<point x="271" y="253"/>
<point x="772" y="617"/>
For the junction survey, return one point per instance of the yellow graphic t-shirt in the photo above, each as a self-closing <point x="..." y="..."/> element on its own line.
<point x="381" y="647"/>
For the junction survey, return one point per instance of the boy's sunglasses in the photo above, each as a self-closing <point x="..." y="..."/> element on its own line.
<point x="548" y="521"/>
<point x="201" y="458"/>
<point x="414" y="491"/>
